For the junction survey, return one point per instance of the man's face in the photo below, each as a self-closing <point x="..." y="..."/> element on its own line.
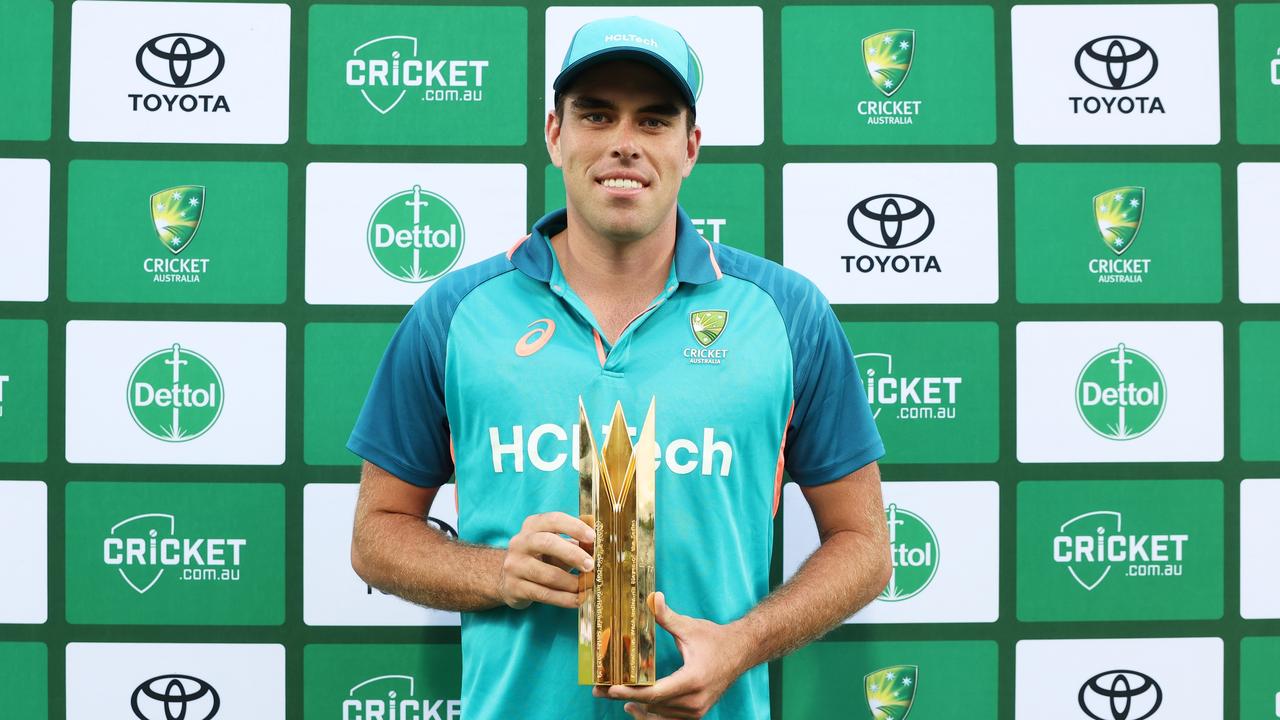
<point x="624" y="147"/>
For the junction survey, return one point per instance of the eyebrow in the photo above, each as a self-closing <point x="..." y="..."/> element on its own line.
<point x="587" y="102"/>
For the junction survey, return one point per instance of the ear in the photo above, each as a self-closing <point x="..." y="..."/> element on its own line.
<point x="552" y="135"/>
<point x="692" y="148"/>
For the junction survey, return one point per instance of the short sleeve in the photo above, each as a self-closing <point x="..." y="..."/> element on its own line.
<point x="402" y="427"/>
<point x="832" y="432"/>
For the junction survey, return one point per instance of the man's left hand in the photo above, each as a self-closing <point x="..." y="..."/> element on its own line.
<point x="712" y="662"/>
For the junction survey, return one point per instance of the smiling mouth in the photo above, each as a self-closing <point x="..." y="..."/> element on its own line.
<point x="621" y="183"/>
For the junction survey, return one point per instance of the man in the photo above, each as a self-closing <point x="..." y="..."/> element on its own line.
<point x="617" y="298"/>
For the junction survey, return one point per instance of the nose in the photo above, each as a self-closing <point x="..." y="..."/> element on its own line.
<point x="624" y="142"/>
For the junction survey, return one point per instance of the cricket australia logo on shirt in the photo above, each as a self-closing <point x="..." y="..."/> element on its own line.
<point x="393" y="697"/>
<point x="145" y="547"/>
<point x="891" y="691"/>
<point x="1120" y="393"/>
<point x="707" y="325"/>
<point x="914" y="551"/>
<point x="388" y="68"/>
<point x="176" y="213"/>
<point x="175" y="394"/>
<point x="887" y="56"/>
<point x="906" y="396"/>
<point x="416" y="236"/>
<point x="1093" y="544"/>
<point x="1118" y="213"/>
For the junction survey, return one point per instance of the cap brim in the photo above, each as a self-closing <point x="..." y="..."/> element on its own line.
<point x="566" y="77"/>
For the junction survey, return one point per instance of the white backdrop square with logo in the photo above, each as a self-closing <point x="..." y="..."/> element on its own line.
<point x="332" y="593"/>
<point x="964" y="518"/>
<point x="1259" y="538"/>
<point x="728" y="43"/>
<point x="925" y="232"/>
<point x="201" y="72"/>
<point x="1258" y="185"/>
<point x="1187" y="672"/>
<point x="1051" y="358"/>
<point x="24" y="552"/>
<point x="249" y="359"/>
<point x="1167" y="53"/>
<point x="104" y="680"/>
<point x="346" y="266"/>
<point x="24" y="230"/>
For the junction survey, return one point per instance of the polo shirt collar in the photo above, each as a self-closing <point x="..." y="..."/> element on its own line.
<point x="695" y="257"/>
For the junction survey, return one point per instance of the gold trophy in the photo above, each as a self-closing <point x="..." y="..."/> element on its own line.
<point x="615" y="495"/>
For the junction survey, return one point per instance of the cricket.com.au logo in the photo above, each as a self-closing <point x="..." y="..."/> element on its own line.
<point x="179" y="61"/>
<point x="707" y="326"/>
<point x="891" y="691"/>
<point x="388" y="68"/>
<point x="915" y="553"/>
<point x="174" y="697"/>
<point x="1093" y="544"/>
<point x="1116" y="64"/>
<point x="393" y="697"/>
<point x="906" y="397"/>
<point x="1118" y="212"/>
<point x="176" y="213"/>
<point x="1120" y="695"/>
<point x="175" y="394"/>
<point x="892" y="222"/>
<point x="887" y="56"/>
<point x="1121" y="393"/>
<point x="416" y="236"/>
<point x="144" y="548"/>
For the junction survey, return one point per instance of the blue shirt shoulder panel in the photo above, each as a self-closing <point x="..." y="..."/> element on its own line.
<point x="831" y="433"/>
<point x="403" y="427"/>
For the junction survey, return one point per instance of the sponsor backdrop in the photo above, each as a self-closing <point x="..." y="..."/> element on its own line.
<point x="1049" y="232"/>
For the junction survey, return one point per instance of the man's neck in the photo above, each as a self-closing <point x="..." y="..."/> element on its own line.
<point x="593" y="263"/>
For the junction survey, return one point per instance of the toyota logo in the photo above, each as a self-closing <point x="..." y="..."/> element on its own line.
<point x="171" y="697"/>
<point x="1120" y="695"/>
<point x="180" y="60"/>
<point x="1116" y="62"/>
<point x="883" y="220"/>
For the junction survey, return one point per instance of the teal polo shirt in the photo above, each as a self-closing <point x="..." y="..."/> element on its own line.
<point x="482" y="381"/>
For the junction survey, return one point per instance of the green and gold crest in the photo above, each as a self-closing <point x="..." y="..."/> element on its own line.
<point x="890" y="691"/>
<point x="176" y="214"/>
<point x="1119" y="215"/>
<point x="887" y="56"/>
<point x="707" y="325"/>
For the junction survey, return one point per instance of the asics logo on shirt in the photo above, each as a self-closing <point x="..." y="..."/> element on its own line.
<point x="532" y="341"/>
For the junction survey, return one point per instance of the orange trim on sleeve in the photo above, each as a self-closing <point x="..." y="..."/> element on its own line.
<point x="513" y="249"/>
<point x="782" y="448"/>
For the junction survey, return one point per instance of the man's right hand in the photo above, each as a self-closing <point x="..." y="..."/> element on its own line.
<point x="537" y="565"/>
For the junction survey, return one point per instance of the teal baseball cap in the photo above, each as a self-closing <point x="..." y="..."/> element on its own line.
<point x="633" y="38"/>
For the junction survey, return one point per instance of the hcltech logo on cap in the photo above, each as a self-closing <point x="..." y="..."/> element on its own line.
<point x="632" y="37"/>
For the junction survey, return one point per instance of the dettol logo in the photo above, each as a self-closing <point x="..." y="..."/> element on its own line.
<point x="1120" y="393"/>
<point x="175" y="394"/>
<point x="914" y="549"/>
<point x="415" y="235"/>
